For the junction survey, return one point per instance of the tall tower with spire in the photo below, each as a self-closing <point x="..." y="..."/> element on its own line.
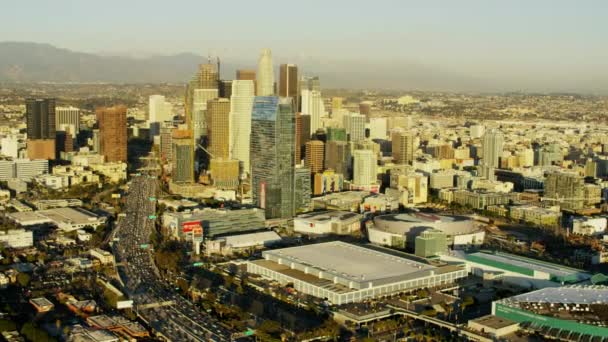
<point x="265" y="76"/>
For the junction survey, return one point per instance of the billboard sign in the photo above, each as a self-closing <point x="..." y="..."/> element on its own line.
<point x="188" y="227"/>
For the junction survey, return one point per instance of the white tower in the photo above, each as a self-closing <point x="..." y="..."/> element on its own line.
<point x="241" y="103"/>
<point x="265" y="75"/>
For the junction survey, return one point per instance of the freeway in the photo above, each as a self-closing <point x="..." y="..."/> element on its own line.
<point x="182" y="321"/>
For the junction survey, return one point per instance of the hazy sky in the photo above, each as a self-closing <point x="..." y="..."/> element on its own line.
<point x="512" y="39"/>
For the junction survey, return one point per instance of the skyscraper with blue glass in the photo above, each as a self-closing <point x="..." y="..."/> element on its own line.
<point x="272" y="155"/>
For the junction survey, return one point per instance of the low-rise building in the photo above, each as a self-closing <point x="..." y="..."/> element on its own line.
<point x="346" y="201"/>
<point x="17" y="238"/>
<point x="328" y="222"/>
<point x="230" y="244"/>
<point x="104" y="257"/>
<point x="536" y="215"/>
<point x="496" y="326"/>
<point x="42" y="304"/>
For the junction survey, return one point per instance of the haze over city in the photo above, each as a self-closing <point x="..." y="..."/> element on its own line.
<point x="546" y="46"/>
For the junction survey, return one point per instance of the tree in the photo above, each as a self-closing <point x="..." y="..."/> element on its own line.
<point x="6" y="325"/>
<point x="23" y="279"/>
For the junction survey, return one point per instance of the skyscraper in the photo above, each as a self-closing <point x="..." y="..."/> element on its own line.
<point x="302" y="134"/>
<point x="113" y="132"/>
<point x="247" y="75"/>
<point x="159" y="111"/>
<point x="203" y="87"/>
<point x="365" y="169"/>
<point x="272" y="155"/>
<point x="288" y="82"/>
<point x="302" y="190"/>
<point x="182" y="157"/>
<point x="166" y="142"/>
<point x="493" y="141"/>
<point x="315" y="153"/>
<point x="403" y="147"/>
<point x="225" y="89"/>
<point x="265" y="77"/>
<point x="355" y="126"/>
<point x="337" y="157"/>
<point x="311" y="101"/>
<point x="565" y="189"/>
<point x="41" y="129"/>
<point x="68" y="116"/>
<point x="218" y="128"/>
<point x="241" y="103"/>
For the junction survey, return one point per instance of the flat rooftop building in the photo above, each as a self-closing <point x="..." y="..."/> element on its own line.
<point x="346" y="273"/>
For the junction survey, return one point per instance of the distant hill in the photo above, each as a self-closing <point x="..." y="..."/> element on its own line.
<point x="33" y="62"/>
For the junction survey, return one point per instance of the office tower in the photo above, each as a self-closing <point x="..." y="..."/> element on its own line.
<point x="315" y="154"/>
<point x="201" y="98"/>
<point x="444" y="151"/>
<point x="218" y="128"/>
<point x="302" y="134"/>
<point x="225" y="89"/>
<point x="302" y="190"/>
<point x="272" y="155"/>
<point x="364" y="173"/>
<point x="265" y="76"/>
<point x="377" y="128"/>
<point x="550" y="154"/>
<point x="590" y="168"/>
<point x="337" y="157"/>
<point x="432" y="242"/>
<point x="202" y="88"/>
<point x="241" y="103"/>
<point x="225" y="173"/>
<point x="355" y="126"/>
<point x="112" y="123"/>
<point x="477" y="131"/>
<point x="68" y="116"/>
<point x="288" y="82"/>
<point x="40" y="116"/>
<point x="336" y="134"/>
<point x="182" y="155"/>
<point x="40" y="119"/>
<point x="493" y="141"/>
<point x="403" y="147"/>
<point x="247" y="75"/>
<point x="312" y="101"/>
<point x="159" y="111"/>
<point x="565" y="189"/>
<point x="365" y="108"/>
<point x="166" y="142"/>
<point x="64" y="141"/>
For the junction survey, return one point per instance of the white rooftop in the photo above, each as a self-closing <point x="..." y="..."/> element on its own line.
<point x="349" y="261"/>
<point x="565" y="295"/>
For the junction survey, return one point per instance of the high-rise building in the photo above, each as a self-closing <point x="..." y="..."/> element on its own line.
<point x="337" y="157"/>
<point x="365" y="168"/>
<point x="493" y="141"/>
<point x="288" y="82"/>
<point x="247" y="75"/>
<point x="377" y="128"/>
<point x="265" y="76"/>
<point x="365" y="108"/>
<point x="477" y="131"/>
<point x="40" y="116"/>
<point x="113" y="133"/>
<point x="315" y="153"/>
<point x="403" y="147"/>
<point x="302" y="134"/>
<point x="432" y="242"/>
<point x="272" y="155"/>
<point x="336" y="104"/>
<point x="203" y="87"/>
<point x="565" y="189"/>
<point x="225" y="89"/>
<point x="64" y="141"/>
<point x="311" y="101"/>
<point x="68" y="116"/>
<point x="218" y="128"/>
<point x="355" y="126"/>
<point x="199" y="109"/>
<point x="225" y="173"/>
<point x="302" y="190"/>
<point x="41" y="129"/>
<point x="159" y="111"/>
<point x="241" y="103"/>
<point x="207" y="76"/>
<point x="182" y="157"/>
<point x="166" y="142"/>
<point x="336" y="134"/>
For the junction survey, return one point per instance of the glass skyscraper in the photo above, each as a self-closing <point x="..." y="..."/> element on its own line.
<point x="272" y="155"/>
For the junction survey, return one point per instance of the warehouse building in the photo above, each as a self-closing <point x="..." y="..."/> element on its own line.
<point x="570" y="313"/>
<point x="345" y="273"/>
<point x="518" y="270"/>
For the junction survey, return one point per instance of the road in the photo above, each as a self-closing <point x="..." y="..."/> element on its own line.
<point x="182" y="321"/>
